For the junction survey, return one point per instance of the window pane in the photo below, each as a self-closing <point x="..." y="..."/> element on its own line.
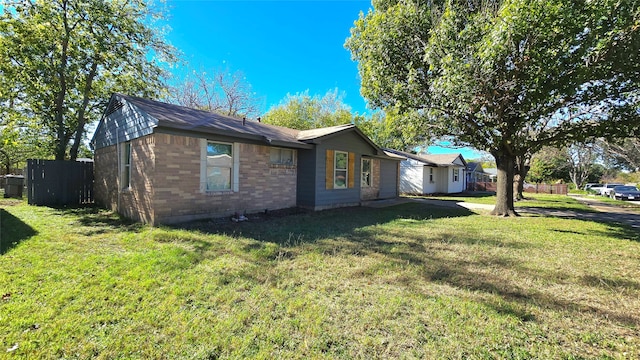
<point x="218" y="149"/>
<point x="366" y="179"/>
<point x="127" y="153"/>
<point x="275" y="156"/>
<point x="282" y="156"/>
<point x="218" y="178"/>
<point x="219" y="160"/>
<point x="286" y="156"/>
<point x="366" y="165"/>
<point x="340" y="180"/>
<point x="219" y="166"/>
<point x="341" y="160"/>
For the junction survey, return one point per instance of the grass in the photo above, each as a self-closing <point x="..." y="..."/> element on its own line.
<point x="549" y="201"/>
<point x="409" y="281"/>
<point x="633" y="205"/>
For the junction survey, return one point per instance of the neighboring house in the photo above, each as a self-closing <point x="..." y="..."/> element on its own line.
<point x="475" y="173"/>
<point x="493" y="174"/>
<point x="163" y="163"/>
<point x="430" y="174"/>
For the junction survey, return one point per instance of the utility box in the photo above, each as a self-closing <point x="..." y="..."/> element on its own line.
<point x="13" y="187"/>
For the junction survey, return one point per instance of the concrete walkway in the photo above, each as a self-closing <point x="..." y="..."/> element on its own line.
<point x="603" y="212"/>
<point x="435" y="202"/>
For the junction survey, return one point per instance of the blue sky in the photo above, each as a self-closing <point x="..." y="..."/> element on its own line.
<point x="281" y="47"/>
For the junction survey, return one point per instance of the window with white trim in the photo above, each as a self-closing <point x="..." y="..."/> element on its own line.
<point x="219" y="167"/>
<point x="340" y="173"/>
<point x="431" y="175"/>
<point x="366" y="173"/>
<point x="279" y="156"/>
<point x="456" y="174"/>
<point x="125" y="170"/>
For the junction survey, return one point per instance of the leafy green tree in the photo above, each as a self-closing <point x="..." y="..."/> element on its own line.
<point x="507" y="77"/>
<point x="303" y="112"/>
<point x="548" y="165"/>
<point x="61" y="59"/>
<point x="389" y="130"/>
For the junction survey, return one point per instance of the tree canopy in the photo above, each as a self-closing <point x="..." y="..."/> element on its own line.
<point x="507" y="77"/>
<point x="61" y="59"/>
<point x="303" y="111"/>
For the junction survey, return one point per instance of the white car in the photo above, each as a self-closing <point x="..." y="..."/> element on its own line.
<point x="608" y="188"/>
<point x="592" y="186"/>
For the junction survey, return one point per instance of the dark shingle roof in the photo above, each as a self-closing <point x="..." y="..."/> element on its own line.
<point x="178" y="117"/>
<point x="183" y="118"/>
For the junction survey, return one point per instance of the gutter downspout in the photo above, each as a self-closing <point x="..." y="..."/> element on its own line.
<point x="118" y="176"/>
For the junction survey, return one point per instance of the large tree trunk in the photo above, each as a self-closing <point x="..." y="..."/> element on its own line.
<point x="73" y="152"/>
<point x="521" y="170"/>
<point x="504" y="192"/>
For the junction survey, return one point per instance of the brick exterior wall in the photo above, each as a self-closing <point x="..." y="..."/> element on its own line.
<point x="372" y="192"/>
<point x="136" y="202"/>
<point x="177" y="182"/>
<point x="165" y="182"/>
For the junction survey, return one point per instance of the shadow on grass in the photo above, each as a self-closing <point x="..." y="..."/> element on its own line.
<point x="620" y="226"/>
<point x="98" y="220"/>
<point x="12" y="231"/>
<point x="307" y="227"/>
<point x="458" y="259"/>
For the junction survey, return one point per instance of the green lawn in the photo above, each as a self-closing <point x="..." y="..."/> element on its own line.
<point x="409" y="281"/>
<point x="559" y="202"/>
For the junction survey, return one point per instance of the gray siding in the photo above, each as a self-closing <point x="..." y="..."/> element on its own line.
<point x="388" y="179"/>
<point x="306" y="191"/>
<point x="349" y="142"/>
<point x="124" y="124"/>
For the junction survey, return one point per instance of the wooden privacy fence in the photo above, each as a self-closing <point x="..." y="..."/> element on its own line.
<point x="530" y="188"/>
<point x="58" y="182"/>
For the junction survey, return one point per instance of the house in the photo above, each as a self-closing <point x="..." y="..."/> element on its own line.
<point x="476" y="174"/>
<point x="162" y="163"/>
<point x="430" y="174"/>
<point x="492" y="173"/>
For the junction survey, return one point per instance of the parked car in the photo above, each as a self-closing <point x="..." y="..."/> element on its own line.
<point x="608" y="188"/>
<point x="592" y="186"/>
<point x="625" y="193"/>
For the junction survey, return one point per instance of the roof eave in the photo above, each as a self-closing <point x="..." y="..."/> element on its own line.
<point x="239" y="135"/>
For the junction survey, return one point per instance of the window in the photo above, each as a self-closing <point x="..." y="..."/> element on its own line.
<point x="366" y="173"/>
<point x="431" y="175"/>
<point x="456" y="174"/>
<point x="125" y="171"/>
<point x="219" y="166"/>
<point x="282" y="156"/>
<point x="340" y="170"/>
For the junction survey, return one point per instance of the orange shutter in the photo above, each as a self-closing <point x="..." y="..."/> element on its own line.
<point x="329" y="170"/>
<point x="352" y="170"/>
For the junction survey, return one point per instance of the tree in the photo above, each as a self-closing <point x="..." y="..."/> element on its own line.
<point x="61" y="60"/>
<point x="581" y="157"/>
<point x="303" y="112"/>
<point x="389" y="130"/>
<point x="548" y="165"/>
<point x="219" y="91"/>
<point x="625" y="152"/>
<point x="507" y="77"/>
